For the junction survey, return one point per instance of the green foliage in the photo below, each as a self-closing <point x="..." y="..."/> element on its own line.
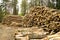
<point x="24" y="7"/>
<point x="6" y="0"/>
<point x="37" y="2"/>
<point x="1" y="14"/>
<point x="21" y="14"/>
<point x="51" y="5"/>
<point x="3" y="11"/>
<point x="34" y="3"/>
<point x="58" y="4"/>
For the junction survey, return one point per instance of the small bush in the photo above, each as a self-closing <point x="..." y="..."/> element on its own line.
<point x="2" y="13"/>
<point x="21" y="14"/>
<point x="1" y="16"/>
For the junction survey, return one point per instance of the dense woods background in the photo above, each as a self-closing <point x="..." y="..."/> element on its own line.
<point x="10" y="6"/>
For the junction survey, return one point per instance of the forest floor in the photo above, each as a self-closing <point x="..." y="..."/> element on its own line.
<point x="6" y="33"/>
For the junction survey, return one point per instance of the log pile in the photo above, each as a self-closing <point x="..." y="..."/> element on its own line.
<point x="52" y="37"/>
<point x="35" y="34"/>
<point x="43" y="17"/>
<point x="40" y="16"/>
<point x="30" y="33"/>
<point x="12" y="20"/>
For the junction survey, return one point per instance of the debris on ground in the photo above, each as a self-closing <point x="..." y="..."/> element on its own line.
<point x="12" y="20"/>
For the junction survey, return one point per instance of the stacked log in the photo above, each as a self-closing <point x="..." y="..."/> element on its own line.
<point x="30" y="33"/>
<point x="13" y="20"/>
<point x="43" y="17"/>
<point x="52" y="37"/>
<point x="40" y="16"/>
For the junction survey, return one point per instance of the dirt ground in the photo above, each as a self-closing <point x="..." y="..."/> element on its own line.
<point x="6" y="33"/>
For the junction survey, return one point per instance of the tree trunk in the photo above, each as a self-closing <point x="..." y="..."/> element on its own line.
<point x="15" y="12"/>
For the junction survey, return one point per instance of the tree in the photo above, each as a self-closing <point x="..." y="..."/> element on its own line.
<point x="54" y="4"/>
<point x="15" y="12"/>
<point x="58" y="4"/>
<point x="37" y="2"/>
<point x="4" y="4"/>
<point x="32" y="3"/>
<point x="12" y="4"/>
<point x="50" y="4"/>
<point x="2" y="13"/>
<point x="24" y="7"/>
